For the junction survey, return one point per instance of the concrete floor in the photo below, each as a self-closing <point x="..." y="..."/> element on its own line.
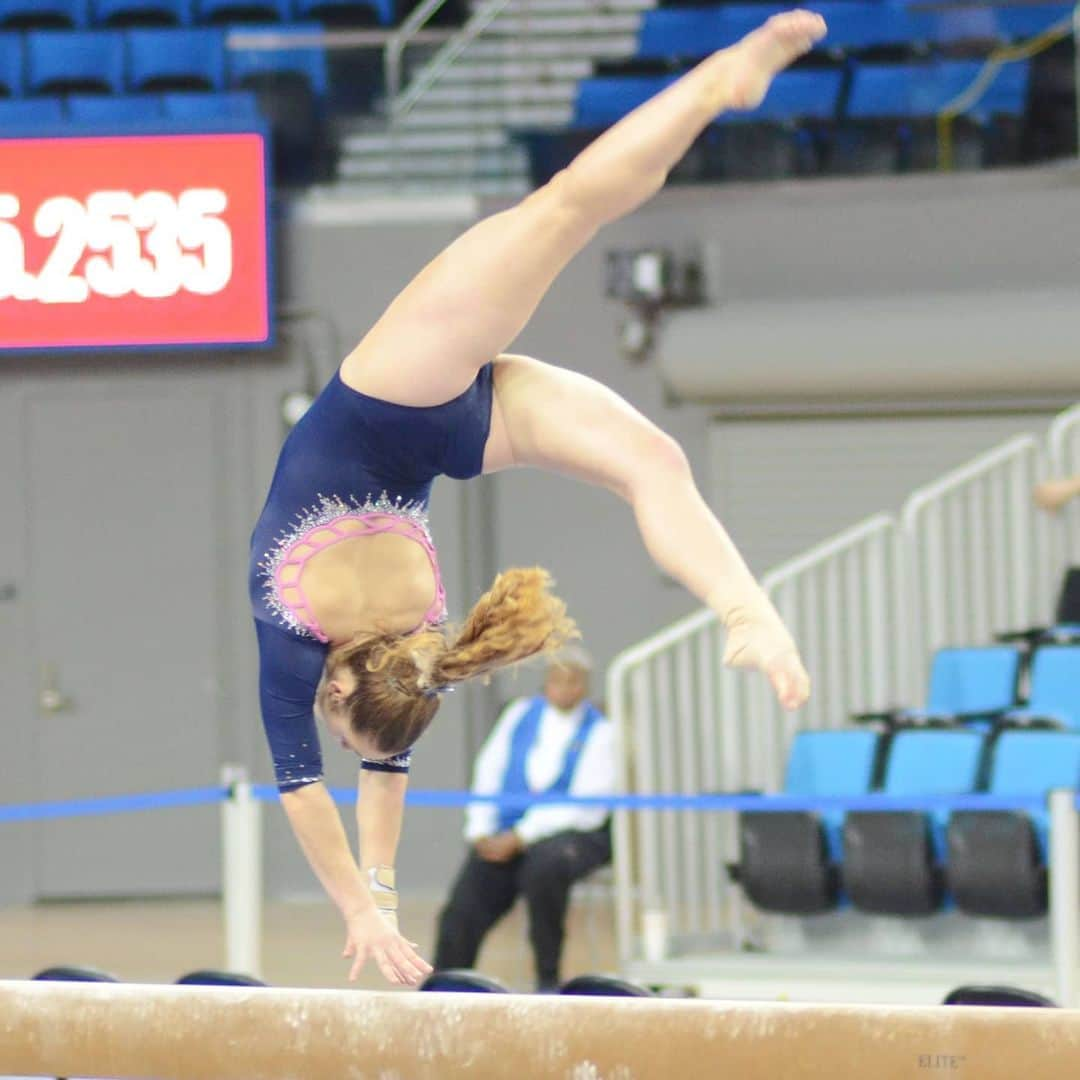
<point x="159" y="940"/>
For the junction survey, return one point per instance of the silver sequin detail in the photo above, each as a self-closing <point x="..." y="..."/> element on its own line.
<point x="328" y="508"/>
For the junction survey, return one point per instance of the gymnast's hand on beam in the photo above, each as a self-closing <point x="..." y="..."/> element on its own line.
<point x="369" y="934"/>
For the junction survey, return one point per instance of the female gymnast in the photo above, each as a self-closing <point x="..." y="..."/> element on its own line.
<point x="345" y="584"/>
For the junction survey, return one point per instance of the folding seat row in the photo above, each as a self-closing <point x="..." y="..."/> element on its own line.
<point x="291" y="84"/>
<point x="83" y="14"/>
<point x="687" y="34"/>
<point x="971" y="736"/>
<point x="987" y="863"/>
<point x="865" y="118"/>
<point x="109" y="61"/>
<point x="125" y="111"/>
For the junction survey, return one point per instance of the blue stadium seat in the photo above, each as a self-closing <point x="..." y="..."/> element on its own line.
<point x="892" y="110"/>
<point x="603" y="100"/>
<point x="973" y="682"/>
<point x="236" y="106"/>
<point x="12" y="65"/>
<point x="830" y="763"/>
<point x="1055" y="685"/>
<point x="79" y="61"/>
<point x="997" y="859"/>
<point x="44" y="14"/>
<point x="346" y="12"/>
<point x="893" y="861"/>
<point x="788" y="860"/>
<point x="933" y="763"/>
<point x="991" y="24"/>
<point x="290" y="85"/>
<point x="262" y="67"/>
<point x="242" y="11"/>
<point x="26" y="115"/>
<point x="117" y="110"/>
<point x="1030" y="20"/>
<point x="128" y="13"/>
<point x="692" y="32"/>
<point x="923" y="90"/>
<point x="163" y="60"/>
<point x="795" y="95"/>
<point x="857" y="27"/>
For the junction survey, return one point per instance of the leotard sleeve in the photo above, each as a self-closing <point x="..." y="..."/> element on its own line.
<point x="289" y="670"/>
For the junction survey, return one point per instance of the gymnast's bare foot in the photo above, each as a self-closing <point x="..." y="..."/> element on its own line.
<point x="758" y="639"/>
<point x="767" y="51"/>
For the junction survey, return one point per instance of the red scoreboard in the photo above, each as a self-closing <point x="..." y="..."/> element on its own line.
<point x="135" y="240"/>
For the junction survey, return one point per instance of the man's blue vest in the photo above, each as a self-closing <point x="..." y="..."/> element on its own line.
<point x="515" y="779"/>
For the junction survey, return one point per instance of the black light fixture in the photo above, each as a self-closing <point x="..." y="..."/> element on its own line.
<point x="648" y="281"/>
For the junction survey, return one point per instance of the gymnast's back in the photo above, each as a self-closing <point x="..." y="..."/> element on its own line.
<point x="350" y="454"/>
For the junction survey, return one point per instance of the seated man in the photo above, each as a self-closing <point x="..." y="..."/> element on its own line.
<point x="555" y="742"/>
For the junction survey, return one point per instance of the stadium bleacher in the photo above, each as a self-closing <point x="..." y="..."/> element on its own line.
<point x="867" y="101"/>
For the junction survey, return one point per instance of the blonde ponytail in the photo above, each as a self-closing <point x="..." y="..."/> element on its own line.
<point x="516" y="618"/>
<point x="398" y="679"/>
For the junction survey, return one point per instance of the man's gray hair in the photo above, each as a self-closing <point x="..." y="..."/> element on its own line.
<point x="572" y="656"/>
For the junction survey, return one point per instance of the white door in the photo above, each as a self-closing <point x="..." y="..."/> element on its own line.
<point x="123" y="583"/>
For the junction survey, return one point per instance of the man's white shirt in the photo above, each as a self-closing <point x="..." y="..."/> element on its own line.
<point x="595" y="773"/>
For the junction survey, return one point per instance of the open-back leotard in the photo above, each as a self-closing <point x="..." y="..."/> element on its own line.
<point x="353" y="466"/>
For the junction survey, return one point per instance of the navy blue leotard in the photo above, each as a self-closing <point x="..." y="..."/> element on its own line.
<point x="350" y="453"/>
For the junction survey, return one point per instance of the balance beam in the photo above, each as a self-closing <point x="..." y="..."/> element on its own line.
<point x="214" y="1033"/>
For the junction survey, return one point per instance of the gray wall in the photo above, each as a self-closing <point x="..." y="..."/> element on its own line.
<point x="338" y="261"/>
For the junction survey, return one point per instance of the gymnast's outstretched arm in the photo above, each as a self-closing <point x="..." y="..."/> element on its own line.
<point x="473" y="300"/>
<point x="318" y="828"/>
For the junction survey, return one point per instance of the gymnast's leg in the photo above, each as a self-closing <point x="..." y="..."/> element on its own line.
<point x="473" y="300"/>
<point x="561" y="420"/>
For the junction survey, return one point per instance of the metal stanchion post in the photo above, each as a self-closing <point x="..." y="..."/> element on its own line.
<point x="241" y="850"/>
<point x="1065" y="893"/>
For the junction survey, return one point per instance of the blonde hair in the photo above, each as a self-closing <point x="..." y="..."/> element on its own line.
<point x="398" y="678"/>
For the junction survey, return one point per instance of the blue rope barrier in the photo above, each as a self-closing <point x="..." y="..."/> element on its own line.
<point x="713" y="802"/>
<point x="433" y="799"/>
<point x="112" y="804"/>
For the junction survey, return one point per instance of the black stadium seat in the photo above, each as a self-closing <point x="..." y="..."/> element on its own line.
<point x="893" y="860"/>
<point x="603" y="986"/>
<point x="461" y="981"/>
<point x="71" y="62"/>
<point x="130" y="13"/>
<point x="169" y="60"/>
<point x="212" y="977"/>
<point x="74" y="973"/>
<point x="44" y="14"/>
<point x="788" y="860"/>
<point x="997" y="863"/>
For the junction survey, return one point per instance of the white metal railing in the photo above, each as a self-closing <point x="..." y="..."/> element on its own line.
<point x="400" y="103"/>
<point x="1064" y="454"/>
<point x="843" y="601"/>
<point x="691" y="726"/>
<point x="978" y="555"/>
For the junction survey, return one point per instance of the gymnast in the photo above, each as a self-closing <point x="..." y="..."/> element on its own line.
<point x="348" y="600"/>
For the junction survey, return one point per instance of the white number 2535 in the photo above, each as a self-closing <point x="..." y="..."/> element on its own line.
<point x="151" y="245"/>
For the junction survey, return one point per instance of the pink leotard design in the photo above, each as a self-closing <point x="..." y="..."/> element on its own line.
<point x="343" y="521"/>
